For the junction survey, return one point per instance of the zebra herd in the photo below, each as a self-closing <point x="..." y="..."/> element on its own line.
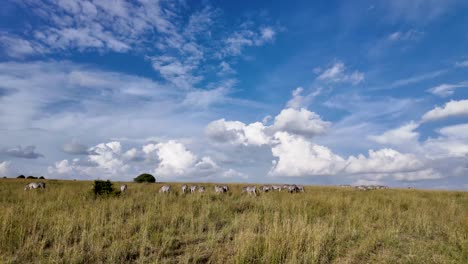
<point x="250" y="190"/>
<point x="365" y="187"/>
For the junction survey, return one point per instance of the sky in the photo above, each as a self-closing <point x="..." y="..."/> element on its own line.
<point x="309" y="92"/>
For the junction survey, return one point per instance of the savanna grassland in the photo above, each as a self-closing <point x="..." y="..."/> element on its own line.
<point x="66" y="224"/>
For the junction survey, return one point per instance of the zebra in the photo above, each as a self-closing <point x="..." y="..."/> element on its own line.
<point x="34" y="185"/>
<point x="123" y="188"/>
<point x="266" y="188"/>
<point x="218" y="189"/>
<point x="165" y="189"/>
<point x="184" y="188"/>
<point x="201" y="189"/>
<point x="250" y="190"/>
<point x="193" y="188"/>
<point x="276" y="188"/>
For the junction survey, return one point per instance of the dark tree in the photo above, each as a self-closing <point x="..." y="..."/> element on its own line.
<point x="21" y="177"/>
<point x="31" y="177"/>
<point x="42" y="178"/>
<point x="103" y="188"/>
<point x="145" y="177"/>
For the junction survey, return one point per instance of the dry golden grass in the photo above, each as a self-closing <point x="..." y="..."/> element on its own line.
<point x="65" y="224"/>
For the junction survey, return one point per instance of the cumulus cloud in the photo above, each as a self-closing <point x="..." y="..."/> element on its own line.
<point x="450" y="109"/>
<point x="427" y="174"/>
<point x="337" y="73"/>
<point x="236" y="133"/>
<point x="174" y="159"/>
<point x="398" y="136"/>
<point x="298" y="157"/>
<point x="302" y="122"/>
<point x="28" y="152"/>
<point x="108" y="156"/>
<point x="445" y="90"/>
<point x="383" y="161"/>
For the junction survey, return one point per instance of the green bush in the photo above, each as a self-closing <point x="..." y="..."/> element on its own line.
<point x="31" y="177"/>
<point x="21" y="177"/>
<point x="42" y="178"/>
<point x="104" y="188"/>
<point x="145" y="177"/>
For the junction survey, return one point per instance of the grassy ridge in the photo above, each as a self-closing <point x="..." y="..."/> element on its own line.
<point x="65" y="224"/>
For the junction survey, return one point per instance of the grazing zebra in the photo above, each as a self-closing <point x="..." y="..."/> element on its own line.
<point x="293" y="188"/>
<point x="193" y="188"/>
<point x="34" y="185"/>
<point x="265" y="188"/>
<point x="250" y="190"/>
<point x="165" y="189"/>
<point x="300" y="188"/>
<point x="123" y="188"/>
<point x="218" y="189"/>
<point x="225" y="188"/>
<point x="184" y="188"/>
<point x="276" y="188"/>
<point x="201" y="189"/>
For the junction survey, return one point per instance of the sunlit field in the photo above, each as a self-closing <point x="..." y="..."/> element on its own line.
<point x="65" y="223"/>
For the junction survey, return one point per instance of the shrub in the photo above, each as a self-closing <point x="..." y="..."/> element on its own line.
<point x="104" y="188"/>
<point x="42" y="178"/>
<point x="145" y="177"/>
<point x="31" y="177"/>
<point x="21" y="177"/>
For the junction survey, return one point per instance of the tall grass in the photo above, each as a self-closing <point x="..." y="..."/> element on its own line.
<point x="65" y="224"/>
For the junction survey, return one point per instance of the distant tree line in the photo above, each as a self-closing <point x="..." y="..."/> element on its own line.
<point x="30" y="177"/>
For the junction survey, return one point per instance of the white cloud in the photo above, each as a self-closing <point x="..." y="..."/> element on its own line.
<point x="5" y="168"/>
<point x="298" y="157"/>
<point x="237" y="133"/>
<point x="174" y="159"/>
<point x="19" y="48"/>
<point x="233" y="174"/>
<point x="383" y="161"/>
<point x="108" y="156"/>
<point x="205" y="98"/>
<point x="405" y="35"/>
<point x="427" y="174"/>
<point x="302" y="122"/>
<point x="444" y="90"/>
<point x="459" y="131"/>
<point x="239" y="40"/>
<point x="337" y="73"/>
<point x="61" y="167"/>
<point x="225" y="69"/>
<point x="414" y="79"/>
<point x="398" y="136"/>
<point x="299" y="100"/>
<point x="450" y="109"/>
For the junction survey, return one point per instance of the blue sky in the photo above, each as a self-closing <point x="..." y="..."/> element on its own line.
<point x="368" y="92"/>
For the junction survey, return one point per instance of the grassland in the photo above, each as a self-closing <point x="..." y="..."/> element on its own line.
<point x="65" y="224"/>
